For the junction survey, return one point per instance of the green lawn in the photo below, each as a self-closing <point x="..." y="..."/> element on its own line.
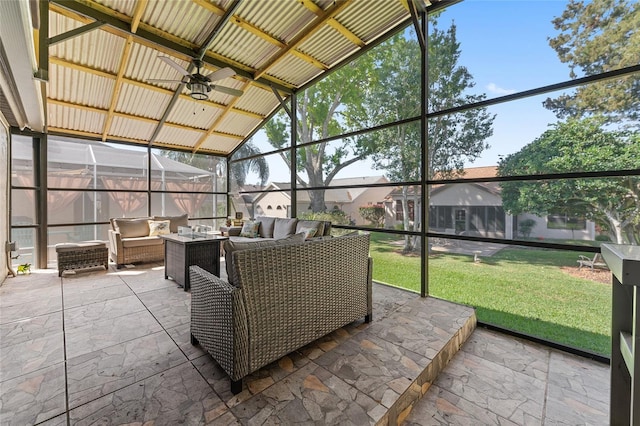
<point x="520" y="289"/>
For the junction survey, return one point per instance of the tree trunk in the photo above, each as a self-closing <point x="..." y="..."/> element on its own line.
<point x="317" y="204"/>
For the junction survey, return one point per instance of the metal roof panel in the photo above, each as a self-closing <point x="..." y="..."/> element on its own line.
<point x="74" y="86"/>
<point x="194" y="114"/>
<point x="217" y="143"/>
<point x="65" y="117"/>
<point x="294" y="70"/>
<point x="131" y="128"/>
<point x="97" y="49"/>
<point x="141" y="102"/>
<point x="258" y="100"/>
<point x="178" y="137"/>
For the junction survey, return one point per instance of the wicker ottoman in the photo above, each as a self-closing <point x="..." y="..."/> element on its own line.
<point x="87" y="254"/>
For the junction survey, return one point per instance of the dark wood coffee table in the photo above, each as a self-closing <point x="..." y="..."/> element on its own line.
<point x="180" y="252"/>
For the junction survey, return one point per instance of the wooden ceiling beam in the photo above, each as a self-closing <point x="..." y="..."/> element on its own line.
<point x="124" y="60"/>
<point x="152" y="37"/>
<point x="304" y="35"/>
<point x="137" y="117"/>
<point x="247" y="26"/>
<point x="333" y="22"/>
<point x="141" y="84"/>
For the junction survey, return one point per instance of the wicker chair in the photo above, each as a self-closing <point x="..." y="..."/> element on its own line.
<point x="287" y="296"/>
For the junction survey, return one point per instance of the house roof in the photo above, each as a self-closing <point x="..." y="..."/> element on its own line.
<point x="102" y="54"/>
<point x="468" y="173"/>
<point x="337" y="195"/>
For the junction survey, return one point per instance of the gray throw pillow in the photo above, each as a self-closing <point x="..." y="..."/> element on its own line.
<point x="232" y="246"/>
<point x="266" y="226"/>
<point x="284" y="228"/>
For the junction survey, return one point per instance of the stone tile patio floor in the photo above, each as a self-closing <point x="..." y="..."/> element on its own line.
<point x="113" y="348"/>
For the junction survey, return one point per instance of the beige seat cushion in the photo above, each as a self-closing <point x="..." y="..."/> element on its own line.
<point x="142" y="241"/>
<point x="131" y="228"/>
<point x="71" y="247"/>
<point x="232" y="246"/>
<point x="114" y="221"/>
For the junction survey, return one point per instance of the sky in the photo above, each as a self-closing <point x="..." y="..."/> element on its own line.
<point x="504" y="45"/>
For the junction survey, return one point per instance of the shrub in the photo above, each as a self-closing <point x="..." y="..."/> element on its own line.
<point x="374" y="214"/>
<point x="525" y="227"/>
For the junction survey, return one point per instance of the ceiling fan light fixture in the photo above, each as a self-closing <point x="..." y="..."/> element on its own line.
<point x="199" y="91"/>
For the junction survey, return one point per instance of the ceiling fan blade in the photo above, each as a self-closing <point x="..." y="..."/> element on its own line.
<point x="173" y="65"/>
<point x="227" y="90"/>
<point x="160" y="80"/>
<point x="220" y="74"/>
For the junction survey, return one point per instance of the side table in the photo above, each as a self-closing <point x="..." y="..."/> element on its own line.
<point x="180" y="252"/>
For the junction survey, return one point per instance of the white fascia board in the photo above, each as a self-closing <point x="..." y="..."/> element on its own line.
<point x="16" y="35"/>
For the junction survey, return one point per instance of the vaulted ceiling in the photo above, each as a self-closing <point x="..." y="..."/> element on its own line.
<point x="102" y="54"/>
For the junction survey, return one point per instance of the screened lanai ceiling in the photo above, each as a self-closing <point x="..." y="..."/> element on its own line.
<point x="103" y="53"/>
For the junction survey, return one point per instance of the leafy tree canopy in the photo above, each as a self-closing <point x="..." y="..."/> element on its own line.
<point x="594" y="37"/>
<point x="578" y="146"/>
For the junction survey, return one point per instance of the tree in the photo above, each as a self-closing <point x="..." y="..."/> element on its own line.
<point x="595" y="37"/>
<point x="578" y="146"/>
<point x="452" y="139"/>
<point x="241" y="169"/>
<point x="324" y="110"/>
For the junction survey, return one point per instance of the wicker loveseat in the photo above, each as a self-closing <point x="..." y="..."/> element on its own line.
<point x="130" y="242"/>
<point x="285" y="297"/>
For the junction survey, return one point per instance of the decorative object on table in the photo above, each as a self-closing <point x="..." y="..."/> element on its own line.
<point x="239" y="215"/>
<point x="24" y="269"/>
<point x="185" y="231"/>
<point x="250" y="229"/>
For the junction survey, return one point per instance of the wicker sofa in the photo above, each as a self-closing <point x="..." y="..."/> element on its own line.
<point x="278" y="228"/>
<point x="285" y="296"/>
<point x="130" y="242"/>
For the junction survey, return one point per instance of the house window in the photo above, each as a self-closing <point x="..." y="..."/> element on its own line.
<point x="269" y="207"/>
<point x="400" y="212"/>
<point x="487" y="219"/>
<point x="279" y="208"/>
<point x="564" y="221"/>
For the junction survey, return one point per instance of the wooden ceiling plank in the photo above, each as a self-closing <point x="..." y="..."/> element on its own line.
<point x="138" y="117"/>
<point x="150" y="36"/>
<point x="315" y="26"/>
<point x="346" y="33"/>
<point x="124" y="60"/>
<point x="143" y="85"/>
<point x="141" y="5"/>
<point x="264" y="85"/>
<point x="247" y="26"/>
<point x="310" y="60"/>
<point x="333" y="22"/>
<point x="205" y="4"/>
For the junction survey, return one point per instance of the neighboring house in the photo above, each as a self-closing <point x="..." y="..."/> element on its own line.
<point x="476" y="209"/>
<point x="277" y="203"/>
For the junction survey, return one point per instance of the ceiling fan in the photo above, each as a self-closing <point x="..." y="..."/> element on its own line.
<point x="200" y="85"/>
